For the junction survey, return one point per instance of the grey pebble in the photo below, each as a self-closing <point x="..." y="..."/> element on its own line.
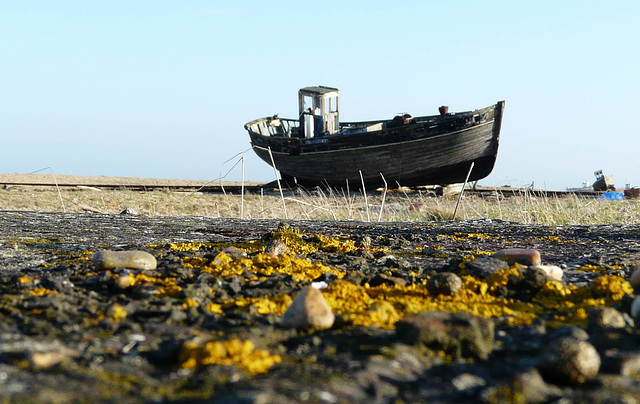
<point x="569" y="361"/>
<point x="124" y="259"/>
<point x="485" y="266"/>
<point x="607" y="317"/>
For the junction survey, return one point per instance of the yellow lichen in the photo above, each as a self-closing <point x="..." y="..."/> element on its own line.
<point x="332" y="244"/>
<point x="25" y="279"/>
<point x="250" y="246"/>
<point x="141" y="278"/>
<point x="263" y="264"/>
<point x="554" y="238"/>
<point x="384" y="305"/>
<point x="481" y="252"/>
<point x="264" y="305"/>
<point x="574" y="302"/>
<point x="169" y="290"/>
<point x="592" y="268"/>
<point x="292" y="238"/>
<point x="296" y="244"/>
<point x="117" y="313"/>
<point x="214" y="308"/>
<point x="611" y="287"/>
<point x="576" y="318"/>
<point x="189" y="303"/>
<point x="230" y="352"/>
<point x="42" y="291"/>
<point x="463" y="264"/>
<point x="501" y="278"/>
<point x="370" y="306"/>
<point x="381" y="313"/>
<point x="167" y="285"/>
<point x="461" y="236"/>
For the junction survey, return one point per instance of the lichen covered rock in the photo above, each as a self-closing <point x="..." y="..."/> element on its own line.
<point x="458" y="334"/>
<point x="444" y="283"/>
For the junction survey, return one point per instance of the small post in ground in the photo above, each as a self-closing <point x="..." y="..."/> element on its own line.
<point x="462" y="190"/>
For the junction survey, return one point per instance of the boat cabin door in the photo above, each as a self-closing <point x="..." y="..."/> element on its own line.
<point x="318" y="107"/>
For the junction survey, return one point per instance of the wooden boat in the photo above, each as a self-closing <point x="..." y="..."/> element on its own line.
<point x="317" y="149"/>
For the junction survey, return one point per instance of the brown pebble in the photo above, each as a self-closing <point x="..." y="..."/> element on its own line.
<point x="124" y="280"/>
<point x="235" y="253"/>
<point x="308" y="310"/>
<point x="524" y="256"/>
<point x="124" y="259"/>
<point x="276" y="247"/>
<point x="444" y="283"/>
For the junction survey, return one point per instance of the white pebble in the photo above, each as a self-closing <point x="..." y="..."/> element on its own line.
<point x="553" y="272"/>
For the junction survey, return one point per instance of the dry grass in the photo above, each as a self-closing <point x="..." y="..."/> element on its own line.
<point x="328" y="205"/>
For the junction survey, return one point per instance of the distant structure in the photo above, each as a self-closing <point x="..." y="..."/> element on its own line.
<point x="603" y="182"/>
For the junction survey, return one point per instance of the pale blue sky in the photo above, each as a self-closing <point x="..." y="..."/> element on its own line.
<point x="163" y="88"/>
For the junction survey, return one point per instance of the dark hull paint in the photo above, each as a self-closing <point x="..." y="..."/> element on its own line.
<point x="434" y="151"/>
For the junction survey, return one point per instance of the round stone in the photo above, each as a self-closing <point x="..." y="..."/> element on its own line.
<point x="553" y="272"/>
<point x="606" y="317"/>
<point x="309" y="309"/>
<point x="124" y="259"/>
<point x="444" y="283"/>
<point x="569" y="361"/>
<point x="276" y="247"/>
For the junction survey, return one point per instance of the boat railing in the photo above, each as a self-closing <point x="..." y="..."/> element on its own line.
<point x="273" y="126"/>
<point x="284" y="127"/>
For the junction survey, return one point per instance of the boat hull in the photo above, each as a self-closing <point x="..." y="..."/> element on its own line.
<point x="434" y="151"/>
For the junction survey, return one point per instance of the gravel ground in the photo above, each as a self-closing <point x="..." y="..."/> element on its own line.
<point x="205" y="324"/>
